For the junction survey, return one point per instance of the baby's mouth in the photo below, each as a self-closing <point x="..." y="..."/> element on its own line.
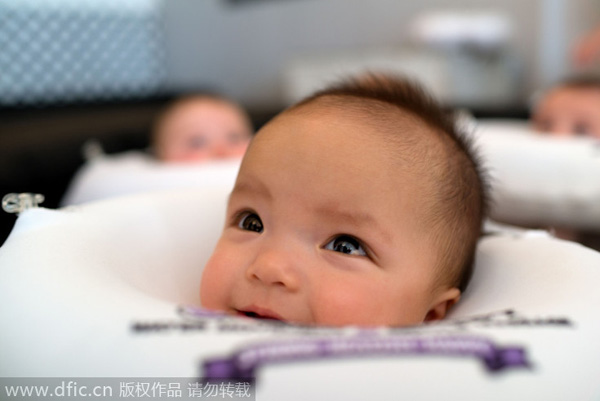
<point x="259" y="313"/>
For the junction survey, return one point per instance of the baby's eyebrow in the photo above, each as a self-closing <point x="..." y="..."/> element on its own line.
<point x="251" y="186"/>
<point x="355" y="218"/>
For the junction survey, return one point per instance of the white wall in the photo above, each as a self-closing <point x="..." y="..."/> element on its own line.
<point x="241" y="50"/>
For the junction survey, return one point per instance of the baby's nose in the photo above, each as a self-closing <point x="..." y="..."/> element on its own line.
<point x="275" y="268"/>
<point x="223" y="150"/>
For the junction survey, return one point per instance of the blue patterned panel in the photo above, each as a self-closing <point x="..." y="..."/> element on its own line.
<point x="68" y="50"/>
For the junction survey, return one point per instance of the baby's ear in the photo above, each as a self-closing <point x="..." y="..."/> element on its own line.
<point x="442" y="304"/>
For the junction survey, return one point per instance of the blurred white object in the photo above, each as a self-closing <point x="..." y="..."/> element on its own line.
<point x="106" y="176"/>
<point x="464" y="58"/>
<point x="539" y="179"/>
<point x="306" y="74"/>
<point x="486" y="30"/>
<point x="472" y="79"/>
<point x="73" y="282"/>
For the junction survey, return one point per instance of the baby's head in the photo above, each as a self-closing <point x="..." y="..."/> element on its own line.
<point x="570" y="108"/>
<point x="360" y="205"/>
<point x="201" y="127"/>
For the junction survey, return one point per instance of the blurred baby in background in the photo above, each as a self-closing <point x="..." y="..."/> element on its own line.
<point x="570" y="108"/>
<point x="198" y="128"/>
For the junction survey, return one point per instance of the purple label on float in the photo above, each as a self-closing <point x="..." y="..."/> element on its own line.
<point x="245" y="362"/>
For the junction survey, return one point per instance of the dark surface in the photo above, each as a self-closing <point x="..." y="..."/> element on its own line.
<point x="41" y="148"/>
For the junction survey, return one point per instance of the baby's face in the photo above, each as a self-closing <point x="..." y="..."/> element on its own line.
<point x="201" y="130"/>
<point x="569" y="111"/>
<point x="323" y="228"/>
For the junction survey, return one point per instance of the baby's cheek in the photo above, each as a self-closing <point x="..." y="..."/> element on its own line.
<point x="215" y="283"/>
<point x="595" y="133"/>
<point x="366" y="305"/>
<point x="338" y="305"/>
<point x="238" y="151"/>
<point x="193" y="156"/>
<point x="207" y="293"/>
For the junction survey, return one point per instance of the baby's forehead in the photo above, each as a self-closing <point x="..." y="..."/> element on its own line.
<point x="570" y="99"/>
<point x="400" y="133"/>
<point x="402" y="140"/>
<point x="576" y="90"/>
<point x="393" y="123"/>
<point x="201" y="109"/>
<point x="353" y="107"/>
<point x="204" y="103"/>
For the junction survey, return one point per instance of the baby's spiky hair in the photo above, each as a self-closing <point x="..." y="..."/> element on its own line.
<point x="458" y="201"/>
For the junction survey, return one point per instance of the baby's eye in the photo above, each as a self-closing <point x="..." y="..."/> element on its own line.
<point x="346" y="244"/>
<point x="581" y="128"/>
<point x="250" y="222"/>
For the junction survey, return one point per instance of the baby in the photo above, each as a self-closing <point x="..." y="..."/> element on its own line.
<point x="201" y="127"/>
<point x="570" y="108"/>
<point x="360" y="205"/>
